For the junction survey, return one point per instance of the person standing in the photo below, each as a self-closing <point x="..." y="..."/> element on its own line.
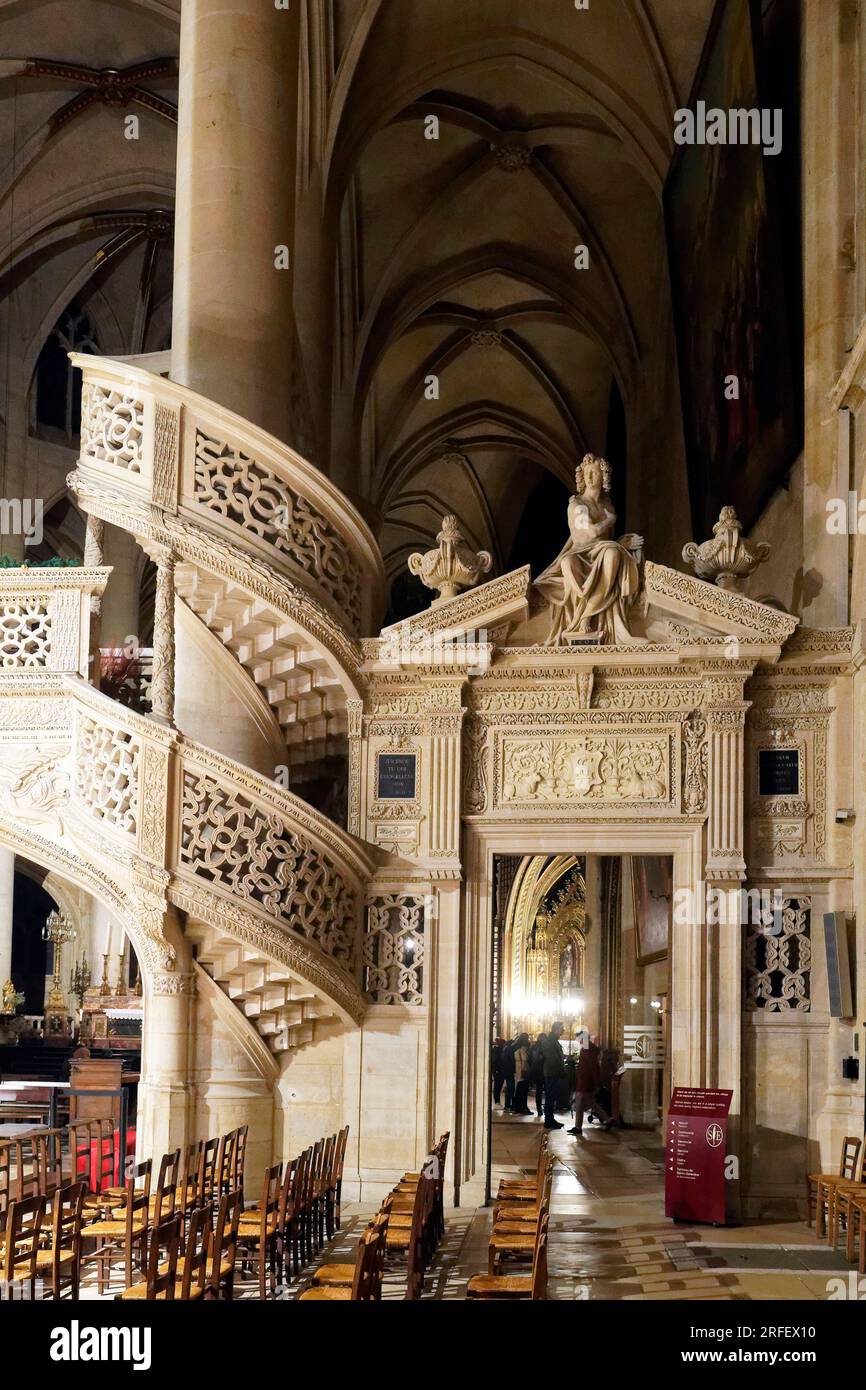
<point x="521" y="1074"/>
<point x="507" y="1064"/>
<point x="586" y="1082"/>
<point x="536" y="1063"/>
<point x="554" y="1071"/>
<point x="496" y="1069"/>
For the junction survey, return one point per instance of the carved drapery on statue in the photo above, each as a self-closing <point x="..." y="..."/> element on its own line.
<point x="594" y="580"/>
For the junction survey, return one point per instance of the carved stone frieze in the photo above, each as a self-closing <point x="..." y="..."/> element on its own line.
<point x="695" y="764"/>
<point x="623" y="768"/>
<point x="475" y="766"/>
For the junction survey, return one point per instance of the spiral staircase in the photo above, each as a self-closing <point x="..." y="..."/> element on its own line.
<point x="277" y="565"/>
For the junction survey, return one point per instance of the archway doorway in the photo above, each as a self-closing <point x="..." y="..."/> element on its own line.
<point x="582" y="940"/>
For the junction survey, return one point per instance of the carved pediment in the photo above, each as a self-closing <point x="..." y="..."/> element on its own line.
<point x="676" y="611"/>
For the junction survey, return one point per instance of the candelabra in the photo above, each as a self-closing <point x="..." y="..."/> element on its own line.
<point x="58" y="930"/>
<point x="79" y="980"/>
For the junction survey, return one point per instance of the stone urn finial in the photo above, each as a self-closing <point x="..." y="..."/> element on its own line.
<point x="727" y="558"/>
<point x="453" y="566"/>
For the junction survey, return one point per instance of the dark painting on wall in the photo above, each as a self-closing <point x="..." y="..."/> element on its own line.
<point x="652" y="892"/>
<point x="728" y="291"/>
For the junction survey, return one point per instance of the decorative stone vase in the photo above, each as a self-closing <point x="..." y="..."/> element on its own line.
<point x="726" y="558"/>
<point x="453" y="566"/>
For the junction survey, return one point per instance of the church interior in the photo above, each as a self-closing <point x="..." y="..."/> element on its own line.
<point x="432" y="850"/>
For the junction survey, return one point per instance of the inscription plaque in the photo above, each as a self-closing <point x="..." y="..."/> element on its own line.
<point x="395" y="779"/>
<point x="778" y="771"/>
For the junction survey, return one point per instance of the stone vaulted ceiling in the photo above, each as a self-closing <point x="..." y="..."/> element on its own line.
<point x="456" y="255"/>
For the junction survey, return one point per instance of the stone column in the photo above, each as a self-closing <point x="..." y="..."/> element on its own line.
<point x="120" y="615"/>
<point x="237" y="143"/>
<point x="829" y="48"/>
<point x="94" y="556"/>
<point x="164" y="1092"/>
<point x="725" y="873"/>
<point x="7" y="881"/>
<point x="162" y="687"/>
<point x="355" y="716"/>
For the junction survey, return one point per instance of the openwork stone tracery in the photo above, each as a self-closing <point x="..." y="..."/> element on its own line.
<point x="255" y="855"/>
<point x="244" y="491"/>
<point x="394" y="949"/>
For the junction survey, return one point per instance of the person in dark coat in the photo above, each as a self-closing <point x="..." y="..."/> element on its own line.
<point x="587" y="1080"/>
<point x="521" y="1075"/>
<point x="536" y="1072"/>
<point x="554" y="1071"/>
<point x="496" y="1073"/>
<point x="507" y="1063"/>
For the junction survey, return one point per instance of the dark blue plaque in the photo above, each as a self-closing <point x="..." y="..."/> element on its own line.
<point x="396" y="776"/>
<point x="778" y="771"/>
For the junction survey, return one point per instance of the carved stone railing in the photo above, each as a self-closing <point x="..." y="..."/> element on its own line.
<point x="158" y="444"/>
<point x="45" y="617"/>
<point x="251" y="841"/>
<point x="93" y="780"/>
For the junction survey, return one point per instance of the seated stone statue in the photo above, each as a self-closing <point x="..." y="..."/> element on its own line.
<point x="592" y="582"/>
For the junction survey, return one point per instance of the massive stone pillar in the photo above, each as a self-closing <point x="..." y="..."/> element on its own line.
<point x="237" y="137"/>
<point x="7" y="881"/>
<point x="829" y="109"/>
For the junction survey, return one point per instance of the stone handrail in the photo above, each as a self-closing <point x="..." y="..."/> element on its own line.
<point x="113" y="786"/>
<point x="163" y="445"/>
<point x="45" y="617"/>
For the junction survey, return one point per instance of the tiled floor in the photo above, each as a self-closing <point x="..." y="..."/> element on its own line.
<point x="609" y="1238"/>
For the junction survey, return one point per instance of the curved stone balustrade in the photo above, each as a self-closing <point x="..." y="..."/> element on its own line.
<point x="150" y="442"/>
<point x="44" y="617"/>
<point x="95" y="781"/>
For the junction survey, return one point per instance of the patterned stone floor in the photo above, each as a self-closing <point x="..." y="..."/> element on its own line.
<point x="608" y="1235"/>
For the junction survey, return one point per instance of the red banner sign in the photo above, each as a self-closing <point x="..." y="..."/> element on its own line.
<point x="695" y="1152"/>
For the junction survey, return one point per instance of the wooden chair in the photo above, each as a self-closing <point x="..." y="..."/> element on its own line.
<point x="525" y="1205"/>
<point x="525" y="1189"/>
<point x="336" y="1193"/>
<point x="515" y="1243"/>
<point x="187" y="1193"/>
<point x="294" y="1217"/>
<point x="192" y="1266"/>
<point x="513" y="1218"/>
<point x="818" y="1185"/>
<point x="224" y="1247"/>
<point x="341" y="1275"/>
<point x="285" y="1218"/>
<point x="840" y="1197"/>
<point x="161" y="1275"/>
<point x="501" y="1287"/>
<point x="417" y="1240"/>
<point x="240" y="1158"/>
<point x="6" y="1151"/>
<point x="61" y="1260"/>
<point x="207" y="1170"/>
<point x="857" y="1225"/>
<point x="366" y="1286"/>
<point x="21" y="1245"/>
<point x="125" y="1229"/>
<point x="257" y="1232"/>
<point x="163" y="1203"/>
<point x="225" y="1164"/>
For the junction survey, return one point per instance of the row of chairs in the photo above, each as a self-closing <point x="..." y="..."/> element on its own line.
<point x="300" y="1208"/>
<point x="54" y="1227"/>
<point x="837" y="1201"/>
<point x="521" y="1214"/>
<point x="409" y="1224"/>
